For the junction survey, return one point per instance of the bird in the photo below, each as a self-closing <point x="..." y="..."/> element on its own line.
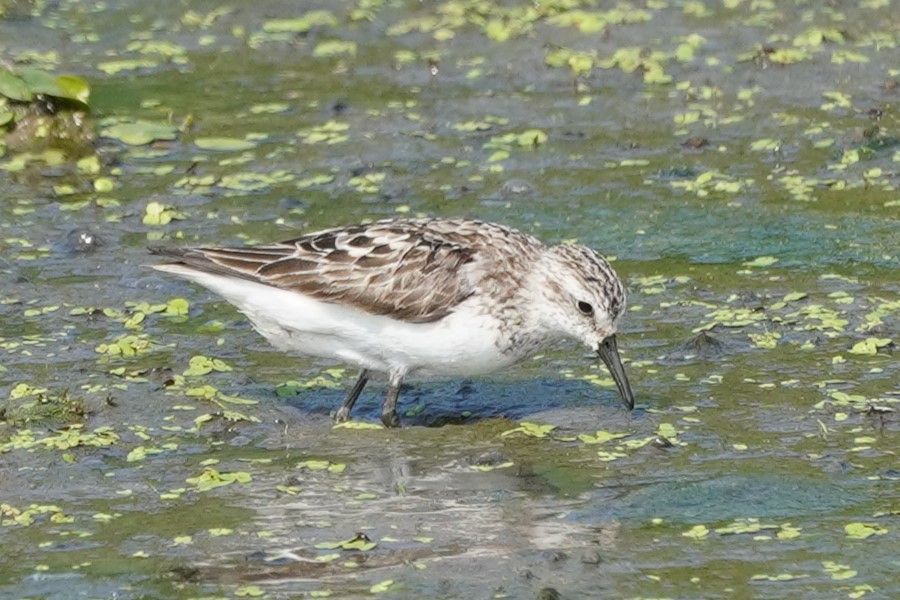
<point x="431" y="297"/>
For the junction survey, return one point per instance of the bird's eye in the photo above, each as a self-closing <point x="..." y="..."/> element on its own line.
<point x="585" y="308"/>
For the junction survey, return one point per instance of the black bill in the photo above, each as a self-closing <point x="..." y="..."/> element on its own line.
<point x="608" y="351"/>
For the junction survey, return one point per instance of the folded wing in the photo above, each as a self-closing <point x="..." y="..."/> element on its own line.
<point x="396" y="268"/>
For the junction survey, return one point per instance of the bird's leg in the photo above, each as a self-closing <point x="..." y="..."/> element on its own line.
<point x="389" y="408"/>
<point x="343" y="413"/>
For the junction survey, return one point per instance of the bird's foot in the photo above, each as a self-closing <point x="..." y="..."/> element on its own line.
<point x="390" y="419"/>
<point x="342" y="414"/>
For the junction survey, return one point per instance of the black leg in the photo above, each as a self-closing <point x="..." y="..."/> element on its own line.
<point x="389" y="408"/>
<point x="343" y="413"/>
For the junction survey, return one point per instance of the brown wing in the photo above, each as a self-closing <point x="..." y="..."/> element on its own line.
<point x="412" y="270"/>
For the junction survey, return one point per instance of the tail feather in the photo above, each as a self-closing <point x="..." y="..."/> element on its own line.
<point x="196" y="260"/>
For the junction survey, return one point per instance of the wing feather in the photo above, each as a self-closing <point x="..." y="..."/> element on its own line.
<point x="415" y="270"/>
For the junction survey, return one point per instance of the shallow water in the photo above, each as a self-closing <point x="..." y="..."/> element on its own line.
<point x="752" y="200"/>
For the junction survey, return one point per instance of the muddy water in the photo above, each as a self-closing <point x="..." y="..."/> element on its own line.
<point x="750" y="203"/>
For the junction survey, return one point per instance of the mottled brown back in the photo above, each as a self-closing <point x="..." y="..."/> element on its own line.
<point x="415" y="270"/>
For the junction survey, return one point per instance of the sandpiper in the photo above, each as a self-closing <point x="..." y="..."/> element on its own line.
<point x="432" y="297"/>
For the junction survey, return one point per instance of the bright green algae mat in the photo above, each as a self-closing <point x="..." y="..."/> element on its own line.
<point x="738" y="159"/>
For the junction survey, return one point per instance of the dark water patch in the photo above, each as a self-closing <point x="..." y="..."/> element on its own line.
<point x="465" y="401"/>
<point x="730" y="497"/>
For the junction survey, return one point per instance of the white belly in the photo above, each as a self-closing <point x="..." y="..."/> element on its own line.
<point x="463" y="343"/>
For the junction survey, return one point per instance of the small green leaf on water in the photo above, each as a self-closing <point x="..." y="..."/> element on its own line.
<point x="762" y="261"/>
<point x="357" y="425"/>
<point x="358" y="542"/>
<point x="766" y="144"/>
<point x="139" y="133"/>
<point x="111" y="67"/>
<point x="667" y="430"/>
<point x="314" y="180"/>
<point x="378" y="588"/>
<point x="235" y="416"/>
<point x="328" y="557"/>
<point x="210" y="478"/>
<point x="223" y="144"/>
<point x="788" y="532"/>
<point x="334" y="48"/>
<point x="73" y="88"/>
<point x="779" y="577"/>
<point x="157" y="213"/>
<point x="861" y="531"/>
<point x="530" y="429"/>
<point x="269" y="108"/>
<point x="13" y="87"/>
<point x="794" y="296"/>
<point x="485" y="468"/>
<point x="697" y="532"/>
<point x="177" y="307"/>
<point x="600" y="437"/>
<point x="838" y="571"/>
<point x="322" y="465"/>
<point x="870" y="346"/>
<point x="104" y="185"/>
<point x="498" y="155"/>
<point x="531" y="138"/>
<point x="251" y="591"/>
<point x="745" y="525"/>
<point x="201" y="365"/>
<point x="313" y="18"/>
<point x="766" y="340"/>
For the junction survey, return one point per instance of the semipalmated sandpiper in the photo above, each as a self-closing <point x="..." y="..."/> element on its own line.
<point x="433" y="297"/>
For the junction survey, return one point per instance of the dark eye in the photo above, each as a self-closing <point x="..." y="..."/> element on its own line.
<point x="585" y="308"/>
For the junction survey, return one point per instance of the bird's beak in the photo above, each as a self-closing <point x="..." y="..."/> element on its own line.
<point x="608" y="351"/>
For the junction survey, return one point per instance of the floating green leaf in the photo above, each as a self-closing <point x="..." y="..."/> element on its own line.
<point x="357" y="425"/>
<point x="223" y="144"/>
<point x="530" y="429"/>
<point x="762" y="261"/>
<point x="697" y="532"/>
<point x="861" y="531"/>
<point x="322" y="465"/>
<point x="249" y="591"/>
<point x="601" y="437"/>
<point x="13" y="87"/>
<point x="378" y="588"/>
<point x="210" y="479"/>
<point x="335" y="48"/>
<point x="160" y="214"/>
<point x="73" y="88"/>
<point x="201" y="365"/>
<point x="359" y="542"/>
<point x="778" y="577"/>
<point x="139" y="133"/>
<point x="838" y="571"/>
<point x="870" y="345"/>
<point x="314" y="18"/>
